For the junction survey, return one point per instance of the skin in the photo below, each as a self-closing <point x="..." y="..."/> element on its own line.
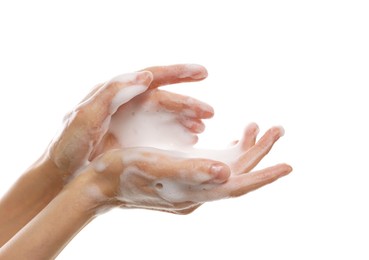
<point x="43" y="180"/>
<point x="86" y="124"/>
<point x="188" y="112"/>
<point x="94" y="191"/>
<point x="67" y="187"/>
<point x="123" y="177"/>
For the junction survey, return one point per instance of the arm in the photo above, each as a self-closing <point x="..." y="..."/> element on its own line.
<point x="71" y="149"/>
<point x="138" y="178"/>
<point x="67" y="152"/>
<point x="29" y="195"/>
<point x="47" y="234"/>
<point x="82" y="199"/>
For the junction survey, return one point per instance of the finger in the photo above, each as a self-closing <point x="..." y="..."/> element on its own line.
<point x="93" y="91"/>
<point x="178" y="180"/>
<point x="111" y="96"/>
<point x="255" y="180"/>
<point x="191" y="171"/>
<point x="165" y="75"/>
<point x="162" y="164"/>
<point x="193" y="125"/>
<point x="183" y="104"/>
<point x="121" y="89"/>
<point x="172" y="178"/>
<point x="89" y="95"/>
<point x="239" y="185"/>
<point x="254" y="155"/>
<point x="249" y="137"/>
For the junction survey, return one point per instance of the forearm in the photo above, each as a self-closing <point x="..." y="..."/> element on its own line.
<point x="28" y="196"/>
<point x="48" y="233"/>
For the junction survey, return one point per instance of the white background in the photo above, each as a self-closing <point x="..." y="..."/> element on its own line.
<point x="300" y="64"/>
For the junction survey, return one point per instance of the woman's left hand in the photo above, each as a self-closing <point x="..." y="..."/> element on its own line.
<point x="85" y="130"/>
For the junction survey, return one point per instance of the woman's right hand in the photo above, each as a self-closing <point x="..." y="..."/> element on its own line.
<point x="156" y="179"/>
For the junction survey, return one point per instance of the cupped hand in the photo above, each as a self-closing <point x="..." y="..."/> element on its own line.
<point x="161" y="180"/>
<point x="242" y="158"/>
<point x="86" y="129"/>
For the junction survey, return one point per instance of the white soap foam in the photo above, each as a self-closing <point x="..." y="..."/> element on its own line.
<point x="140" y="189"/>
<point x="173" y="191"/>
<point x="205" y="107"/>
<point x="134" y="195"/>
<point x="124" y="95"/>
<point x="127" y="77"/>
<point x="138" y="154"/>
<point x="140" y="123"/>
<point x="93" y="191"/>
<point x="99" y="166"/>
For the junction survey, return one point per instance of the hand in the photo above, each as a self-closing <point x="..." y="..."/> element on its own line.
<point x="85" y="128"/>
<point x="243" y="157"/>
<point x="156" y="118"/>
<point x="156" y="179"/>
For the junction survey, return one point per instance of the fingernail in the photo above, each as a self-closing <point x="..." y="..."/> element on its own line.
<point x="194" y="71"/>
<point x="252" y="128"/>
<point x="199" y="127"/>
<point x="207" y="111"/>
<point x="144" y="77"/>
<point x="220" y="173"/>
<point x="281" y="131"/>
<point x="289" y="169"/>
<point x="286" y="169"/>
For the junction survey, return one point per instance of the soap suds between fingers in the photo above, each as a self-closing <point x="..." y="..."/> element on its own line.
<point x="143" y="124"/>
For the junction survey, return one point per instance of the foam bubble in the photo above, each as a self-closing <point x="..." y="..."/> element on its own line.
<point x="126" y="94"/>
<point x="143" y="124"/>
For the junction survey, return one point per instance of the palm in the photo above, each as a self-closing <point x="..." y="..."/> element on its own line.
<point x="158" y="186"/>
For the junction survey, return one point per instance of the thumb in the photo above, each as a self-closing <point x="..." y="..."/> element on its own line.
<point x="116" y="92"/>
<point x="123" y="88"/>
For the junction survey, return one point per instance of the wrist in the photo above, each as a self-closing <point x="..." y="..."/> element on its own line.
<point x="49" y="169"/>
<point x="93" y="191"/>
<point x="93" y="195"/>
